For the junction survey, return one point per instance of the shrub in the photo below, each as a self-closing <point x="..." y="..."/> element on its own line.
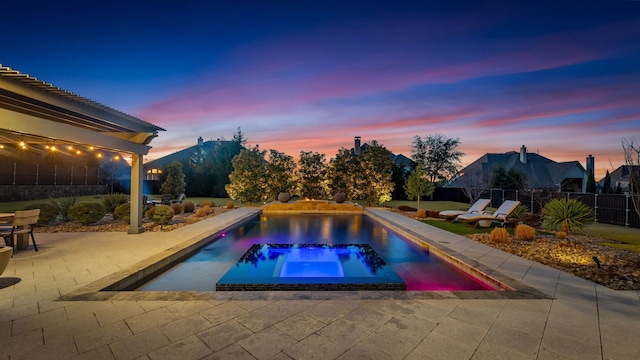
<point x="421" y="214"/>
<point x="111" y="201"/>
<point x="162" y="215"/>
<point x="499" y="236"/>
<point x="566" y="215"/>
<point x="433" y="214"/>
<point x="203" y="211"/>
<point x="406" y="208"/>
<point x="86" y="213"/>
<point x="63" y="205"/>
<point x="561" y="235"/>
<point x="525" y="232"/>
<point x="208" y="203"/>
<point x="177" y="208"/>
<point x="519" y="212"/>
<point x="123" y="212"/>
<point x="188" y="206"/>
<point x="149" y="213"/>
<point x="48" y="212"/>
<point x="230" y="205"/>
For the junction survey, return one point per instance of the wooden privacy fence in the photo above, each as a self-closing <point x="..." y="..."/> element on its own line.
<point x="614" y="209"/>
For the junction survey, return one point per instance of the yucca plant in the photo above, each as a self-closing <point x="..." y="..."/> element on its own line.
<point x="566" y="215"/>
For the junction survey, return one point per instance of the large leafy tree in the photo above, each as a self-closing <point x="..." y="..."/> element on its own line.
<point x="312" y="175"/>
<point x="375" y="174"/>
<point x="438" y="156"/>
<point x="174" y="183"/>
<point x="418" y="184"/>
<point x="341" y="174"/>
<point x="249" y="176"/>
<point x="281" y="172"/>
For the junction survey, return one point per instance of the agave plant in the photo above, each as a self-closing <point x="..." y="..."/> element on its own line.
<point x="566" y="215"/>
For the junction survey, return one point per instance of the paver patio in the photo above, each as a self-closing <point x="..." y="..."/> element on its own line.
<point x="576" y="320"/>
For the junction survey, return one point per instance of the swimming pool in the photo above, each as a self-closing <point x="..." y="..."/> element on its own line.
<point x="419" y="269"/>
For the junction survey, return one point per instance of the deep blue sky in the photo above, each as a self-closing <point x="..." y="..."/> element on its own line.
<point x="562" y="77"/>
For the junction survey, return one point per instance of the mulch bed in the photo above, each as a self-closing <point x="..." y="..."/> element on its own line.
<point x="618" y="270"/>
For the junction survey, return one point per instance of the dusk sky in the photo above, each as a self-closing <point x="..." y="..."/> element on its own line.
<point x="561" y="77"/>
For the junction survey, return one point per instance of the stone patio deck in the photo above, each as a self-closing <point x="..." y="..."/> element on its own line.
<point x="575" y="319"/>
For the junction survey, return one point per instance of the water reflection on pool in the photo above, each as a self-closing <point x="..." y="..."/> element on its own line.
<point x="418" y="269"/>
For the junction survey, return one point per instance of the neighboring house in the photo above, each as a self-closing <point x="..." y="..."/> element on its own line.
<point x="541" y="172"/>
<point x="622" y="176"/>
<point x="400" y="160"/>
<point x="196" y="154"/>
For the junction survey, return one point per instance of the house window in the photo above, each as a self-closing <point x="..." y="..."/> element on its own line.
<point x="154" y="174"/>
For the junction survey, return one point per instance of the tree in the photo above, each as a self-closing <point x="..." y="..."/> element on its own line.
<point x="474" y="182"/>
<point x="375" y="174"/>
<point x="281" y="174"/>
<point x="174" y="183"/>
<point x="591" y="183"/>
<point x="249" y="176"/>
<point x="312" y="175"/>
<point x="238" y="137"/>
<point x="631" y="151"/>
<point x="438" y="156"/>
<point x="606" y="184"/>
<point x="512" y="179"/>
<point x="418" y="184"/>
<point x="341" y="174"/>
<point x="399" y="177"/>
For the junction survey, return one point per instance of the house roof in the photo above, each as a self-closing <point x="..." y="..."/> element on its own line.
<point x="622" y="173"/>
<point x="196" y="153"/>
<point x="38" y="112"/>
<point x="541" y="172"/>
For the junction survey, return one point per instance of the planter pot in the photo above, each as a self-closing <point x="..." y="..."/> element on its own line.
<point x="340" y="198"/>
<point x="284" y="197"/>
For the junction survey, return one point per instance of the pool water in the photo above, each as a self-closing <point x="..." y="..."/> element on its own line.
<point x="310" y="267"/>
<point x="418" y="269"/>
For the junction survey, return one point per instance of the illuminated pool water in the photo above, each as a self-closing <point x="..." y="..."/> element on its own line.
<point x="418" y="269"/>
<point x="310" y="267"/>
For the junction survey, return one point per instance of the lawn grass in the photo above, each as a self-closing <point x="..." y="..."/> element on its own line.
<point x="458" y="228"/>
<point x="627" y="238"/>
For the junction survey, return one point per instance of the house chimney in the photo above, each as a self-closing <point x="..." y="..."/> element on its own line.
<point x="591" y="161"/>
<point x="200" y="141"/>
<point x="523" y="154"/>
<point x="356" y="146"/>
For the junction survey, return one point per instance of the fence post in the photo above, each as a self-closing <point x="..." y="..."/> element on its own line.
<point x="71" y="180"/>
<point x="55" y="174"/>
<point x="37" y="172"/>
<point x="14" y="173"/>
<point x="626" y="211"/>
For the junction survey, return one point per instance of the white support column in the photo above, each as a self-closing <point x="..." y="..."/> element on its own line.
<point x="136" y="195"/>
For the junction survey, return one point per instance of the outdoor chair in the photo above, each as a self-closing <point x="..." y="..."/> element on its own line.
<point x="500" y="215"/>
<point x="23" y="222"/>
<point x="476" y="208"/>
<point x="165" y="199"/>
<point x="179" y="200"/>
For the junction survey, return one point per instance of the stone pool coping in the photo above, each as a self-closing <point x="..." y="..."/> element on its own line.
<point x="111" y="287"/>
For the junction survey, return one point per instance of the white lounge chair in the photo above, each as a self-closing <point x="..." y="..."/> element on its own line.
<point x="500" y="215"/>
<point x="476" y="208"/>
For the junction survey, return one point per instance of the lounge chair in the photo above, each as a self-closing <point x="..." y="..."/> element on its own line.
<point x="476" y="208"/>
<point x="500" y="215"/>
<point x="179" y="200"/>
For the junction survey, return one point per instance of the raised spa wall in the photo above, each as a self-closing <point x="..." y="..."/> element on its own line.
<point x="311" y="206"/>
